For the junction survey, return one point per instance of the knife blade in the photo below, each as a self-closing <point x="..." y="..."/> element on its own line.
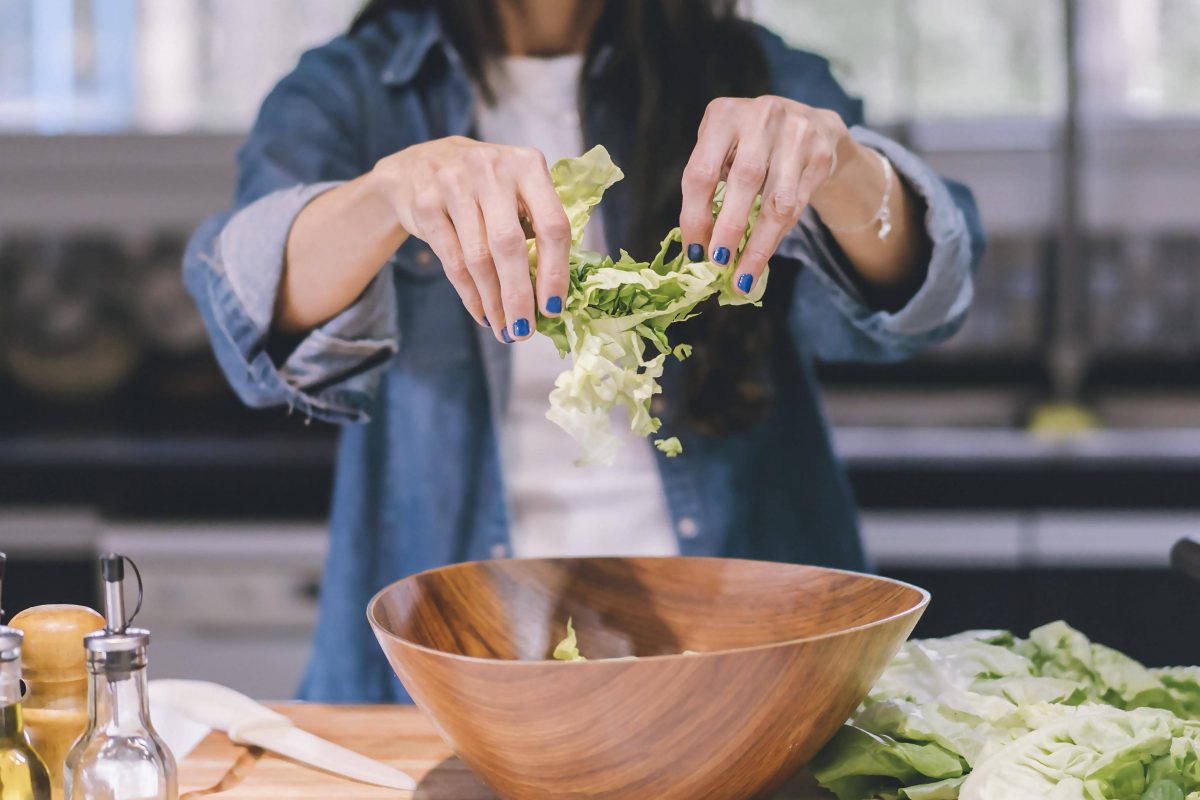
<point x="248" y="722"/>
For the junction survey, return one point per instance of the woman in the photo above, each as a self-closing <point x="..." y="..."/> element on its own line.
<point x="372" y="271"/>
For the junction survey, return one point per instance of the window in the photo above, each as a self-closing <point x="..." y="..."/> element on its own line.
<point x="1141" y="57"/>
<point x="933" y="59"/>
<point x="153" y="65"/>
<point x="186" y="65"/>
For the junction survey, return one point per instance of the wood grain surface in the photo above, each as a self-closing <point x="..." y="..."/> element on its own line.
<point x="397" y="735"/>
<point x="786" y="654"/>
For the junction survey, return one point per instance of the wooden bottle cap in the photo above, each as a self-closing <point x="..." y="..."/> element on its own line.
<point x="53" y="650"/>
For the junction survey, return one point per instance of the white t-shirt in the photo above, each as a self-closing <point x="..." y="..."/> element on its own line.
<point x="558" y="509"/>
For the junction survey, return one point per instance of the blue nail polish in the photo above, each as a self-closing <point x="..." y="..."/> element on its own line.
<point x="521" y="328"/>
<point x="695" y="252"/>
<point x="721" y="255"/>
<point x="554" y="305"/>
<point x="504" y="335"/>
<point x="744" y="282"/>
<point x="486" y="324"/>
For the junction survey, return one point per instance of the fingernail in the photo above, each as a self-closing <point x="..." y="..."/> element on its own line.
<point x="554" y="304"/>
<point x="521" y="328"/>
<point x="486" y="324"/>
<point x="721" y="255"/>
<point x="504" y="335"/>
<point x="744" y="282"/>
<point x="695" y="252"/>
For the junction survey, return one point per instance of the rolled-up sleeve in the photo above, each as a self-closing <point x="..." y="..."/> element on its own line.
<point x="303" y="144"/>
<point x="831" y="318"/>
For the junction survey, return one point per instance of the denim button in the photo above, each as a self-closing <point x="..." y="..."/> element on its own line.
<point x="688" y="528"/>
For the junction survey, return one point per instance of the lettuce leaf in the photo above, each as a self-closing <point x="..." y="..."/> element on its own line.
<point x="1109" y="676"/>
<point x="568" y="648"/>
<point x="1097" y="752"/>
<point x="616" y="315"/>
<point x="1053" y="716"/>
<point x="938" y="790"/>
<point x="859" y="764"/>
<point x="669" y="447"/>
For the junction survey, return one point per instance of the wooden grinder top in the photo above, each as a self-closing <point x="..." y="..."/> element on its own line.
<point x="53" y="650"/>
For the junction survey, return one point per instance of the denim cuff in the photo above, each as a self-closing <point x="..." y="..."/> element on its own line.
<point x="329" y="374"/>
<point x="946" y="294"/>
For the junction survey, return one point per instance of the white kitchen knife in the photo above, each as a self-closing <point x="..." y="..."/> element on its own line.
<point x="247" y="722"/>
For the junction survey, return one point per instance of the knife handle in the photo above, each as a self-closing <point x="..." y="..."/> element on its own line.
<point x="1185" y="558"/>
<point x="216" y="706"/>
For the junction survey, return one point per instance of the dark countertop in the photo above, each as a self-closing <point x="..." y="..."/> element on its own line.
<point x="1009" y="469"/>
<point x="288" y="473"/>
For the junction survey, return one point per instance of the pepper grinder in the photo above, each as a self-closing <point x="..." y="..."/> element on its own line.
<point x="56" y="681"/>
<point x="120" y="756"/>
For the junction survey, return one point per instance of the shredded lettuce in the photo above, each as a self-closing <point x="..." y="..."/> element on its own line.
<point x="986" y="716"/>
<point x="670" y="447"/>
<point x="568" y="648"/>
<point x="613" y="309"/>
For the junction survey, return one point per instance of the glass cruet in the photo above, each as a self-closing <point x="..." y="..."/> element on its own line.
<point x="119" y="756"/>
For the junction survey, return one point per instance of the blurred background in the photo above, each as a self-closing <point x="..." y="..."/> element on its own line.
<point x="1038" y="466"/>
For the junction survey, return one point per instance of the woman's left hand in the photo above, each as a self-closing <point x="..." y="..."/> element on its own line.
<point x="779" y="148"/>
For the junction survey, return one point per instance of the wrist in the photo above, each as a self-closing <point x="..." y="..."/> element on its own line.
<point x="379" y="185"/>
<point x="854" y="196"/>
<point x="378" y="193"/>
<point x="853" y="164"/>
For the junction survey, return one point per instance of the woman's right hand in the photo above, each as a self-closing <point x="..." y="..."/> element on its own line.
<point x="466" y="200"/>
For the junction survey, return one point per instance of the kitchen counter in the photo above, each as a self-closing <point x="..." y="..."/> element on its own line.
<point x="398" y="735"/>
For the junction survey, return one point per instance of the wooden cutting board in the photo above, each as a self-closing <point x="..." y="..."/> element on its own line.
<point x="397" y="735"/>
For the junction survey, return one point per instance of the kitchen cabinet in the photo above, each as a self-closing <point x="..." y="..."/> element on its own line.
<point x="51" y="556"/>
<point x="232" y="602"/>
<point x="1106" y="573"/>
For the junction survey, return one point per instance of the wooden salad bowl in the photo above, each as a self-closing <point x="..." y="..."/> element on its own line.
<point x="785" y="655"/>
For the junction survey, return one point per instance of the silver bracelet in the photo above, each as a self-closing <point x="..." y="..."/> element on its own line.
<point x="883" y="217"/>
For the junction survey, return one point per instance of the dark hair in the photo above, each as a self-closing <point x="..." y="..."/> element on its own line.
<point x="668" y="59"/>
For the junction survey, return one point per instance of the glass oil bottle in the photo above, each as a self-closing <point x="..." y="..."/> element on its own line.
<point x="23" y="776"/>
<point x="119" y="756"/>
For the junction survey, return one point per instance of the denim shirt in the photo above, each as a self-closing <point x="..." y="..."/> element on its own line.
<point x="420" y="388"/>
